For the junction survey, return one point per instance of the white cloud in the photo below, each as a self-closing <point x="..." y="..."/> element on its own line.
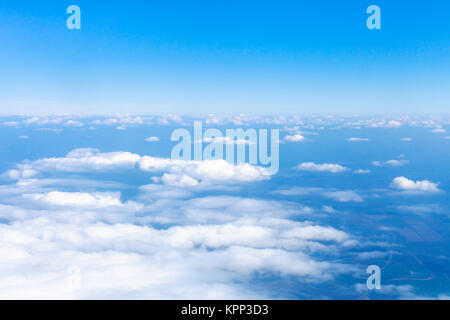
<point x="406" y="139"/>
<point x="77" y="199"/>
<point x="178" y="180"/>
<point x="206" y="171"/>
<point x="328" y="209"/>
<point x="399" y="292"/>
<point x="23" y="173"/>
<point x="317" y="233"/>
<point x="361" y="171"/>
<point x="406" y="184"/>
<point x="369" y="255"/>
<point x="294" y="138"/>
<point x="324" y="167"/>
<point x="395" y="163"/>
<point x="344" y="196"/>
<point x="73" y="123"/>
<point x="199" y="258"/>
<point x="392" y="163"/>
<point x="90" y="159"/>
<point x="79" y="160"/>
<point x="394" y="124"/>
<point x="152" y="139"/>
<point x="438" y="130"/>
<point x="355" y="139"/>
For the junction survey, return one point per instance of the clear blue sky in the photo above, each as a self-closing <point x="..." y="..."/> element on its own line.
<point x="229" y="56"/>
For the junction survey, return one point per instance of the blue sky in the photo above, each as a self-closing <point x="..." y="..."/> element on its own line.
<point x="224" y="57"/>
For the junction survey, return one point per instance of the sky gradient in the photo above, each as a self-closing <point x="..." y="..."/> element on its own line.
<point x="224" y="57"/>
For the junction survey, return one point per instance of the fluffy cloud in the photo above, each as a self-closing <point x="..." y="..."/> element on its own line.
<point x="206" y="171"/>
<point x="324" y="167"/>
<point x="294" y="138"/>
<point x="83" y="160"/>
<point x="185" y="172"/>
<point x="406" y="184"/>
<point x="199" y="257"/>
<point x="68" y="237"/>
<point x="77" y="199"/>
<point x="178" y="180"/>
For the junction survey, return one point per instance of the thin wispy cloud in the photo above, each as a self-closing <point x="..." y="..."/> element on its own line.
<point x="356" y="139"/>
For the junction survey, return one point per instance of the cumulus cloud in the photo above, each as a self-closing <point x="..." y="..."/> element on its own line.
<point x="64" y="236"/>
<point x="91" y="160"/>
<point x="200" y="255"/>
<point x="206" y="171"/>
<point x="77" y="199"/>
<point x="324" y="167"/>
<point x="21" y="173"/>
<point x="406" y="184"/>
<point x="83" y="160"/>
<point x="178" y="180"/>
<point x="294" y="138"/>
